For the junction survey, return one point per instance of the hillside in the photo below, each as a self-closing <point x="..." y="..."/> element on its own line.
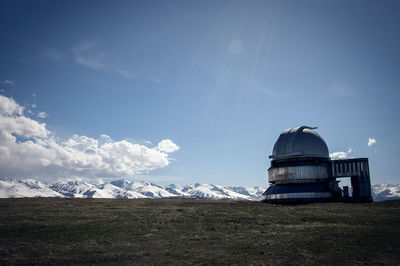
<point x="170" y="232"/>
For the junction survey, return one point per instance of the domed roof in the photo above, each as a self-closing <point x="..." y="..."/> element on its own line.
<point x="300" y="142"/>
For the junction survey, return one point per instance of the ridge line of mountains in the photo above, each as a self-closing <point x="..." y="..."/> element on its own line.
<point x="17" y="188"/>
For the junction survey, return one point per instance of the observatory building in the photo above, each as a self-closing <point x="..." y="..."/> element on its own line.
<point x="301" y="171"/>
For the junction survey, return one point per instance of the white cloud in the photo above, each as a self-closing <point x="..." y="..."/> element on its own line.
<point x="21" y="126"/>
<point x="9" y="107"/>
<point x="338" y="155"/>
<point x="167" y="145"/>
<point x="235" y="46"/>
<point x="371" y="141"/>
<point x="9" y="82"/>
<point x="105" y="138"/>
<point x="42" y="115"/>
<point x="28" y="149"/>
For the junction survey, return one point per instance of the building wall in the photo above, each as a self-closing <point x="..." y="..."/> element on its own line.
<point x="298" y="174"/>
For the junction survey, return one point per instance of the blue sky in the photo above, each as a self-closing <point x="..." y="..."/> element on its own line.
<point x="219" y="79"/>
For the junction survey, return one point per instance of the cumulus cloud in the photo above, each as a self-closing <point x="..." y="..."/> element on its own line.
<point x="167" y="145"/>
<point x="28" y="149"/>
<point x="340" y="154"/>
<point x="9" y="107"/>
<point x="9" y="82"/>
<point x="371" y="141"/>
<point x="42" y="115"/>
<point x="105" y="138"/>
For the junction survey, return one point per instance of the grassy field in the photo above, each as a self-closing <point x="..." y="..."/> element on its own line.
<point x="143" y="231"/>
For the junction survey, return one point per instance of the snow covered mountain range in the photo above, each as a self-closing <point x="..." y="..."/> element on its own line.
<point x="14" y="188"/>
<point x="385" y="192"/>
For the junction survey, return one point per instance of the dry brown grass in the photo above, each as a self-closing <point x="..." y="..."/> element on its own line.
<point x="121" y="231"/>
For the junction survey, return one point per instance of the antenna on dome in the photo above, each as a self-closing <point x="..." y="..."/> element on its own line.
<point x="308" y="127"/>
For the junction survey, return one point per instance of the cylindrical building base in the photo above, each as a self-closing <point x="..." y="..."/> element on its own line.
<point x="298" y="193"/>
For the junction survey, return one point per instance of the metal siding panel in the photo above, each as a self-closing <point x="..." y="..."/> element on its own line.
<point x="297" y="173"/>
<point x="299" y="195"/>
